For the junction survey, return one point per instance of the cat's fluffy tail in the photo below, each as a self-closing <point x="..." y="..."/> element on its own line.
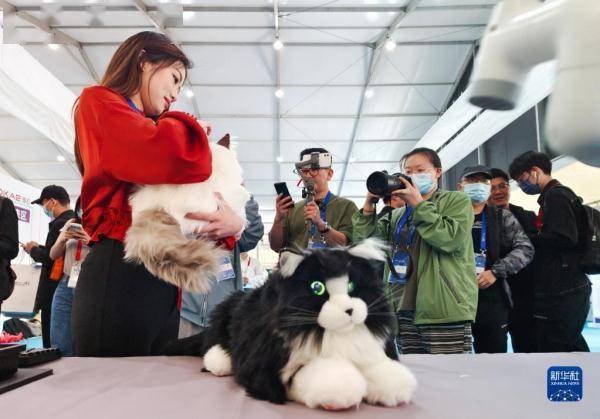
<point x="156" y="241"/>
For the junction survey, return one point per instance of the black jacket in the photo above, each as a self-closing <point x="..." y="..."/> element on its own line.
<point x="521" y="284"/>
<point x="509" y="251"/>
<point x="559" y="243"/>
<point x="9" y="230"/>
<point x="45" y="291"/>
<point x="9" y="244"/>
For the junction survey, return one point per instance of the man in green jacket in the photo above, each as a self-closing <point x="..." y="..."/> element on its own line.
<point x="432" y="286"/>
<point x="326" y="221"/>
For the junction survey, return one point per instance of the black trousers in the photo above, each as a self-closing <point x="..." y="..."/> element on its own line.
<point x="521" y="327"/>
<point x="490" y="327"/>
<point x="119" y="308"/>
<point x="45" y="317"/>
<point x="560" y="318"/>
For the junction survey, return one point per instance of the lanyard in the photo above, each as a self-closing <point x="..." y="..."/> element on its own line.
<point x="133" y="106"/>
<point x="78" y="252"/>
<point x="400" y="226"/>
<point x="483" y="245"/>
<point x="313" y="229"/>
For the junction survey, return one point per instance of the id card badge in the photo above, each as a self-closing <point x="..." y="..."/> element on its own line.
<point x="479" y="263"/>
<point x="74" y="275"/>
<point x="225" y="269"/>
<point x="400" y="262"/>
<point x="316" y="244"/>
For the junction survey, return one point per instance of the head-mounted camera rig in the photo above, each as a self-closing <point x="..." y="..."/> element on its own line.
<point x="314" y="160"/>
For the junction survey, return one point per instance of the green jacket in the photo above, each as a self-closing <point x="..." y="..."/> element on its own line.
<point x="447" y="288"/>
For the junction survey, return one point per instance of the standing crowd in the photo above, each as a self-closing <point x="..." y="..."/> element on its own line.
<point x="465" y="267"/>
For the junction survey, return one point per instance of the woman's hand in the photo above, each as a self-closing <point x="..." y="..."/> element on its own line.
<point x="69" y="233"/>
<point x="224" y="222"/>
<point x="409" y="194"/>
<point x="206" y="126"/>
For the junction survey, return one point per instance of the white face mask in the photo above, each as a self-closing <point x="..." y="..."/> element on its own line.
<point x="423" y="182"/>
<point x="478" y="192"/>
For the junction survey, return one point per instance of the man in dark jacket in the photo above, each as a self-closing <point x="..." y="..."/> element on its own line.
<point x="9" y="245"/>
<point x="57" y="205"/>
<point x="561" y="289"/>
<point x="520" y="320"/>
<point x="501" y="249"/>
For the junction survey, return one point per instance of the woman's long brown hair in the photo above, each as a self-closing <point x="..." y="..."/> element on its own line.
<point x="124" y="75"/>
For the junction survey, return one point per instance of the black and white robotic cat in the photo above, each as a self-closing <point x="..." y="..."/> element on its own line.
<point x="317" y="332"/>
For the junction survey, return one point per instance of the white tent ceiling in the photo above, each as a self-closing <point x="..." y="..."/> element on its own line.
<point x="333" y="54"/>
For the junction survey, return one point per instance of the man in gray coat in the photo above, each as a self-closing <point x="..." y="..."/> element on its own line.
<point x="196" y="308"/>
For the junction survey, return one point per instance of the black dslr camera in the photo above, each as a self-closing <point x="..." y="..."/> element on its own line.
<point x="383" y="184"/>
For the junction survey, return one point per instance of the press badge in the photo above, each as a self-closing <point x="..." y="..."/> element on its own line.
<point x="316" y="245"/>
<point x="225" y="269"/>
<point x="400" y="263"/>
<point x="479" y="263"/>
<point x="74" y="275"/>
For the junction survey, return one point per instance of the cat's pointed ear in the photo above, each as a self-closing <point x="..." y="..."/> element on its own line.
<point x="225" y="141"/>
<point x="371" y="249"/>
<point x="289" y="262"/>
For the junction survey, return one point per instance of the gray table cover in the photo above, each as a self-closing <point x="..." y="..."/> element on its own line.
<point x="506" y="386"/>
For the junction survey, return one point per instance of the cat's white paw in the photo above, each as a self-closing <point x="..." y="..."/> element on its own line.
<point x="218" y="361"/>
<point x="389" y="383"/>
<point x="330" y="383"/>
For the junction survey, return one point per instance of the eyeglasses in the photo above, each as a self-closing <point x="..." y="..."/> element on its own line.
<point x="501" y="187"/>
<point x="306" y="172"/>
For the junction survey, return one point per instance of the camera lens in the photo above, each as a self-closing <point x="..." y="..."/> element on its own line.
<point x="380" y="183"/>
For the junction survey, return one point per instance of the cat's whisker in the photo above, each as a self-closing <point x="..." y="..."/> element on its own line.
<point x="313" y="319"/>
<point x="302" y="309"/>
<point x="283" y="326"/>
<point x="391" y="295"/>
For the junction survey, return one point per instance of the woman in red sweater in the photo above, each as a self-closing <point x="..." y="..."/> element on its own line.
<point x="126" y="135"/>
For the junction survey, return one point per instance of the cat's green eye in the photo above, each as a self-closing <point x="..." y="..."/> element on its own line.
<point x="317" y="288"/>
<point x="350" y="286"/>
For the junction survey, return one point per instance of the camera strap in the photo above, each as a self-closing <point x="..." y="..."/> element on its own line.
<point x="411" y="233"/>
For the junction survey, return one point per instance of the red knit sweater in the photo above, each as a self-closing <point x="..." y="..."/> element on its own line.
<point x="121" y="148"/>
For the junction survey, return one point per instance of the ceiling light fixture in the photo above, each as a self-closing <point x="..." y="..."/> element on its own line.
<point x="278" y="44"/>
<point x="390" y="45"/>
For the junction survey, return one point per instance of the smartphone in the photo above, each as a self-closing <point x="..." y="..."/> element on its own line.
<point x="75" y="226"/>
<point x="282" y="189"/>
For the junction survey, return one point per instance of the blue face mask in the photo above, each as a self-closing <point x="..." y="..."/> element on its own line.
<point x="529" y="188"/>
<point x="423" y="182"/>
<point x="48" y="213"/>
<point x="80" y="214"/>
<point x="478" y="192"/>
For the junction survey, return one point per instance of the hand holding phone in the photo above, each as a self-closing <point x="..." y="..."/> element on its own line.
<point x="75" y="227"/>
<point x="283" y="202"/>
<point x="282" y="189"/>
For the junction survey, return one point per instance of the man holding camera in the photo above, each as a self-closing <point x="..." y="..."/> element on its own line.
<point x="323" y="219"/>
